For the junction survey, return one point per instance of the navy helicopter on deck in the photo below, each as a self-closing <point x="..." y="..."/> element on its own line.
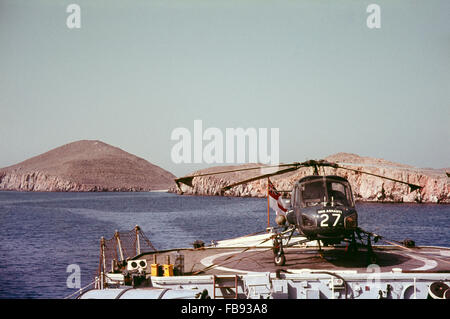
<point x="322" y="207"/>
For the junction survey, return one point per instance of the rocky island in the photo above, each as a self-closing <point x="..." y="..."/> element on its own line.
<point x="90" y="166"/>
<point x="85" y="166"/>
<point x="435" y="182"/>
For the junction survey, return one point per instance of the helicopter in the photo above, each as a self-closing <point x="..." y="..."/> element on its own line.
<point x="321" y="208"/>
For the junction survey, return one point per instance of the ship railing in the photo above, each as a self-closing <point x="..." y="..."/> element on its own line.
<point x="82" y="289"/>
<point x="118" y="249"/>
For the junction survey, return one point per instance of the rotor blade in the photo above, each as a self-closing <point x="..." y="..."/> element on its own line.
<point x="410" y="168"/>
<point x="412" y="186"/>
<point x="396" y="167"/>
<point x="286" y="170"/>
<point x="187" y="180"/>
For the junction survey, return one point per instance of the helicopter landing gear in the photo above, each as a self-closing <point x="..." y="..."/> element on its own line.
<point x="279" y="258"/>
<point x="371" y="257"/>
<point x="353" y="246"/>
<point x="320" y="249"/>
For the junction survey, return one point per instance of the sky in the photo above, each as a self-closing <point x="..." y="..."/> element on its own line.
<point x="136" y="70"/>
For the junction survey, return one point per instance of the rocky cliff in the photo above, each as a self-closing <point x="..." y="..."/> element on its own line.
<point x="435" y="183"/>
<point x="85" y="166"/>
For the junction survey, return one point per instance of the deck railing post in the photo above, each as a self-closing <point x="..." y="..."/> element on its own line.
<point x="101" y="268"/>
<point x="119" y="244"/>
<point x="138" y="244"/>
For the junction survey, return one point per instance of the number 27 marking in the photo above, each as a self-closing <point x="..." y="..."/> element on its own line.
<point x="325" y="217"/>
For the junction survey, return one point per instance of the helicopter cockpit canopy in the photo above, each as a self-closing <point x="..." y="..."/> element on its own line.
<point x="326" y="190"/>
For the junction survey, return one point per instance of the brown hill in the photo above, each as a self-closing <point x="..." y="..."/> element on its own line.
<point x="85" y="166"/>
<point x="435" y="183"/>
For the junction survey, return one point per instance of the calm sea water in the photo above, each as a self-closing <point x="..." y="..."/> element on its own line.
<point x="42" y="233"/>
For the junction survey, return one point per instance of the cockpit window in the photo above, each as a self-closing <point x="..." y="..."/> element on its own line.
<point x="339" y="194"/>
<point x="313" y="193"/>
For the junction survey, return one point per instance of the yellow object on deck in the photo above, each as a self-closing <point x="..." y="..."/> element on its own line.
<point x="154" y="270"/>
<point x="168" y="270"/>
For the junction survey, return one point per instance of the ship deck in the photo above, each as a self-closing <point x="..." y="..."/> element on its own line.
<point x="244" y="267"/>
<point x="245" y="259"/>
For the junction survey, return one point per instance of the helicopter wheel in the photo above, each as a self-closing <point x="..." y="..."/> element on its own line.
<point x="280" y="260"/>
<point x="372" y="259"/>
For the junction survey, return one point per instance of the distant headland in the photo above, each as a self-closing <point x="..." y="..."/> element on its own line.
<point x="85" y="166"/>
<point x="366" y="188"/>
<point x="94" y="166"/>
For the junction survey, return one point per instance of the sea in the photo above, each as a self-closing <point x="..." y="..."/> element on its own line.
<point x="42" y="235"/>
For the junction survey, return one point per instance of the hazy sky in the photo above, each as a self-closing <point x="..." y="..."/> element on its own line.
<point x="136" y="70"/>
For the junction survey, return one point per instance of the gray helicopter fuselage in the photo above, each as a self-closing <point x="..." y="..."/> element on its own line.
<point x="324" y="208"/>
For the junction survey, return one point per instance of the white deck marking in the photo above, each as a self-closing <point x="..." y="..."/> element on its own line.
<point x="429" y="264"/>
<point x="208" y="261"/>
